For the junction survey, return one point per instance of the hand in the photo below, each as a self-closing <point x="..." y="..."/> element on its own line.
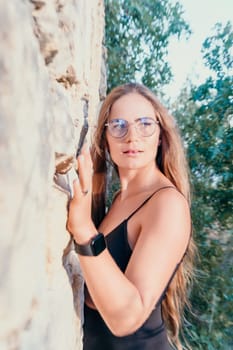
<point x="79" y="222"/>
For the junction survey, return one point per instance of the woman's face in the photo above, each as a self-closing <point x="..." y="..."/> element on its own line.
<point x="133" y="150"/>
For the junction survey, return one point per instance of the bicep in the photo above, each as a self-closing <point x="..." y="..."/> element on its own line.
<point x="165" y="231"/>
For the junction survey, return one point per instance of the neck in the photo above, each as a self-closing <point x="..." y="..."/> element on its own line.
<point x="136" y="181"/>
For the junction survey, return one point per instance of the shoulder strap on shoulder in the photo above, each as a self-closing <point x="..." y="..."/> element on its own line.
<point x="147" y="199"/>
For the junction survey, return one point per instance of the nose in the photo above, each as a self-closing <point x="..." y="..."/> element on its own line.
<point x="132" y="133"/>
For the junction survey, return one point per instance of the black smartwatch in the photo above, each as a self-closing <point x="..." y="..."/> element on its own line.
<point x="96" y="245"/>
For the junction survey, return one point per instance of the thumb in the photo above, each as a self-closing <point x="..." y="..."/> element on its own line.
<point x="73" y="182"/>
<point x="76" y="189"/>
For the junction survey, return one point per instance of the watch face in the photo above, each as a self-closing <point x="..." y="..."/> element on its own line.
<point x="98" y="244"/>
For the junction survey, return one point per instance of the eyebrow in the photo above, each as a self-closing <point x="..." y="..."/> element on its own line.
<point x="142" y="117"/>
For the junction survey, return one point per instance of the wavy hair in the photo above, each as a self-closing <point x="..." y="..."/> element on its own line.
<point x="171" y="160"/>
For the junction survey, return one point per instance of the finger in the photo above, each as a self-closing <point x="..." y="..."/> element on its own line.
<point x="87" y="160"/>
<point x="85" y="174"/>
<point x="77" y="191"/>
<point x="84" y="148"/>
<point x="76" y="165"/>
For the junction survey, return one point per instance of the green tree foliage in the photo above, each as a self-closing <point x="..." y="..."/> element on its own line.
<point x="206" y="116"/>
<point x="137" y="37"/>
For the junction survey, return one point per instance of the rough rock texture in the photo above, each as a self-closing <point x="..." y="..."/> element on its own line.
<point x="51" y="78"/>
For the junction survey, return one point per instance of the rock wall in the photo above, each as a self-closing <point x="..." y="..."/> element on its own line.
<point x="52" y="76"/>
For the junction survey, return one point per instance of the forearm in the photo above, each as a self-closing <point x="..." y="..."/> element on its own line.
<point x="114" y="295"/>
<point x="116" y="298"/>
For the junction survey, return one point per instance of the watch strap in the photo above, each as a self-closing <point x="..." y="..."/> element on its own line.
<point x="96" y="245"/>
<point x="83" y="249"/>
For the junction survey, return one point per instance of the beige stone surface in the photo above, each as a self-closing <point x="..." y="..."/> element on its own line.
<point x="51" y="68"/>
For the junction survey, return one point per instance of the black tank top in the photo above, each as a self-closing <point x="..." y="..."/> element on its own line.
<point x="152" y="334"/>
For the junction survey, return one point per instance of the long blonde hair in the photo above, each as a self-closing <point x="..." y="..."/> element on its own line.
<point x="171" y="160"/>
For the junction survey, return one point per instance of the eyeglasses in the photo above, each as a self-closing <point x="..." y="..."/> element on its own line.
<point x="145" y="126"/>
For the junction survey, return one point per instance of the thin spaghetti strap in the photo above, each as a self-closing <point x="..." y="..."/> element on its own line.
<point x="147" y="199"/>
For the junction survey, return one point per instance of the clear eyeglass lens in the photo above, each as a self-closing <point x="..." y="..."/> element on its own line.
<point x="119" y="127"/>
<point x="145" y="126"/>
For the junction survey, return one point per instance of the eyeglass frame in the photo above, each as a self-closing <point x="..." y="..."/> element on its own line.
<point x="155" y="121"/>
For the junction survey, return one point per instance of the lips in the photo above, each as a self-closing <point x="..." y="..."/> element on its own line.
<point x="132" y="151"/>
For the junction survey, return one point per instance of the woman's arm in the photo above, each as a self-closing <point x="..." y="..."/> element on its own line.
<point x="126" y="300"/>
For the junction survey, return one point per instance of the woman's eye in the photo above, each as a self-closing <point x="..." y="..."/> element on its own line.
<point x="119" y="125"/>
<point x="145" y="122"/>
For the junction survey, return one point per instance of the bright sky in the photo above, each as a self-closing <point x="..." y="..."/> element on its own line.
<point x="185" y="57"/>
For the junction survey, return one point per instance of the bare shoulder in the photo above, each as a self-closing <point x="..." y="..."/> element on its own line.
<point x="167" y="217"/>
<point x="168" y="199"/>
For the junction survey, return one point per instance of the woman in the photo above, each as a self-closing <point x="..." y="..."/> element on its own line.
<point x="136" y="258"/>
